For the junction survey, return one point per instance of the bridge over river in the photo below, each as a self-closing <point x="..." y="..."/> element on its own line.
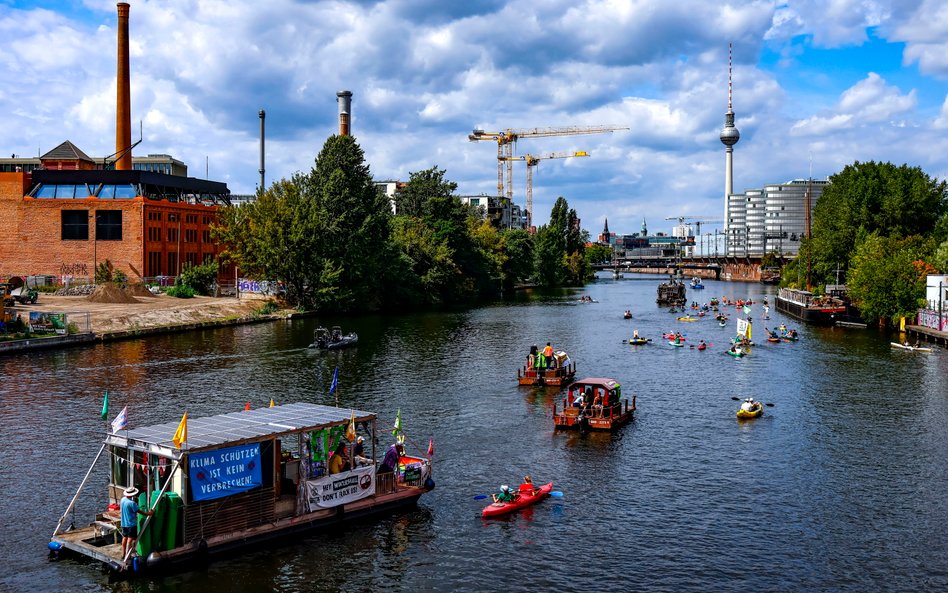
<point x="739" y="269"/>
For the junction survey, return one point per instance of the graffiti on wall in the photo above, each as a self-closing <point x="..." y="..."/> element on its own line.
<point x="73" y="269"/>
<point x="931" y="319"/>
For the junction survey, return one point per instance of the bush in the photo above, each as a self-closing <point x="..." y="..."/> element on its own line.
<point x="268" y="308"/>
<point x="181" y="291"/>
<point x="200" y="278"/>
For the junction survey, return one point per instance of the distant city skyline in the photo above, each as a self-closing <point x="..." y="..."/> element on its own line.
<point x="828" y="82"/>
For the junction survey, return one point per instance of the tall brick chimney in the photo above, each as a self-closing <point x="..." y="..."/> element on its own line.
<point x="123" y="108"/>
<point x="344" y="98"/>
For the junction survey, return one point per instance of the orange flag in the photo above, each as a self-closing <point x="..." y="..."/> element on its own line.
<point x="351" y="429"/>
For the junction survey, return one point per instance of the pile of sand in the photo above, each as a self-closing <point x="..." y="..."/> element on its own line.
<point x="138" y="290"/>
<point x="111" y="293"/>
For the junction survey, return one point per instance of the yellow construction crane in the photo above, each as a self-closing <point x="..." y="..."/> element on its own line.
<point x="532" y="161"/>
<point x="507" y="138"/>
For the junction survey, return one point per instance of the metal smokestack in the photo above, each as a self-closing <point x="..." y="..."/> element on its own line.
<point x="263" y="117"/>
<point x="344" y="98"/>
<point x="123" y="108"/>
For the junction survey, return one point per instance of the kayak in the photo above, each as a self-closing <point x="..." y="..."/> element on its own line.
<point x="638" y="341"/>
<point x="702" y="346"/>
<point x="736" y="353"/>
<point x="913" y="348"/>
<point x="756" y="410"/>
<point x="676" y="344"/>
<point x="773" y="340"/>
<point x="688" y="319"/>
<point x="789" y="339"/>
<point x="723" y="323"/>
<point x="523" y="499"/>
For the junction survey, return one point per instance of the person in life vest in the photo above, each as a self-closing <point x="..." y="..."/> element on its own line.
<point x="505" y="494"/>
<point x="748" y="405"/>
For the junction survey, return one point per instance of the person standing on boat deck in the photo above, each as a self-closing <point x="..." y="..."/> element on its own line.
<point x="532" y="358"/>
<point x="338" y="462"/>
<point x="390" y="461"/>
<point x="548" y="355"/>
<point x="130" y="511"/>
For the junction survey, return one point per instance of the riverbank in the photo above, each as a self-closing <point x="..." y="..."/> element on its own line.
<point x="151" y="315"/>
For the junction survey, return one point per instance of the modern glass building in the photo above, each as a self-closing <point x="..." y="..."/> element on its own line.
<point x="770" y="220"/>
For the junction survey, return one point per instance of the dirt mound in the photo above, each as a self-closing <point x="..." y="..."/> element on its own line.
<point x="138" y="290"/>
<point x="111" y="293"/>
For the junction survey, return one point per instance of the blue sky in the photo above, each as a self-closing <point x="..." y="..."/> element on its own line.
<point x="828" y="82"/>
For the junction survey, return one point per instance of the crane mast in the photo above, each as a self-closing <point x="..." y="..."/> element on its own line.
<point x="532" y="161"/>
<point x="507" y="138"/>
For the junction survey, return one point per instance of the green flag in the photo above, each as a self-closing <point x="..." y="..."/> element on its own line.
<point x="398" y="423"/>
<point x="105" y="406"/>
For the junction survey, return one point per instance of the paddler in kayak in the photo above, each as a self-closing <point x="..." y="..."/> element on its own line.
<point x="527" y="487"/>
<point x="748" y="404"/>
<point x="505" y="495"/>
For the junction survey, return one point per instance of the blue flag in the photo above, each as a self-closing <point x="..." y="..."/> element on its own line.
<point x="335" y="381"/>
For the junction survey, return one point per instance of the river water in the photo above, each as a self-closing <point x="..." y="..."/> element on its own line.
<point x="841" y="486"/>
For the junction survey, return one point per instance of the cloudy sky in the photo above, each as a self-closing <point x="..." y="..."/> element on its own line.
<point x="817" y="85"/>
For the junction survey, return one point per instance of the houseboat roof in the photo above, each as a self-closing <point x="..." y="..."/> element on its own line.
<point x="606" y="382"/>
<point x="236" y="427"/>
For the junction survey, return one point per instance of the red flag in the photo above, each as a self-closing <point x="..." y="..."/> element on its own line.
<point x="430" y="446"/>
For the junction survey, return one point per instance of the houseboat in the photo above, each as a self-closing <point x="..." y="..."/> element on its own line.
<point x="237" y="480"/>
<point x="562" y="371"/>
<point x="671" y="293"/>
<point x="593" y="404"/>
<point x="833" y="308"/>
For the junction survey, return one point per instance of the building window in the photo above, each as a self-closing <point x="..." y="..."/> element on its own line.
<point x="173" y="263"/>
<point x="75" y="225"/>
<point x="173" y="235"/>
<point x="109" y="191"/>
<point x="108" y="225"/>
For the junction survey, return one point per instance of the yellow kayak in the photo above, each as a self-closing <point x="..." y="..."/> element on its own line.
<point x="754" y="412"/>
<point x="687" y="319"/>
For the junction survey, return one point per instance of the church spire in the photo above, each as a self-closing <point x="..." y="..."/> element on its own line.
<point x="605" y="229"/>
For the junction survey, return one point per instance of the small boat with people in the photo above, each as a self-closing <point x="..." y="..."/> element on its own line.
<point x="594" y="403"/>
<point x="917" y="347"/>
<point x="205" y="487"/>
<point x="508" y="500"/>
<point x="333" y="339"/>
<point x="736" y="351"/>
<point x="750" y="408"/>
<point x="546" y="366"/>
<point x="627" y="314"/>
<point x="696" y="283"/>
<point x="639" y="341"/>
<point x="675" y="336"/>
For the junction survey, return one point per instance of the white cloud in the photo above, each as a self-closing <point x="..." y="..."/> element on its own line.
<point x="423" y="74"/>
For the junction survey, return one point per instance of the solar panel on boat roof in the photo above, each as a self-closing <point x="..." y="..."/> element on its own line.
<point x="238" y="426"/>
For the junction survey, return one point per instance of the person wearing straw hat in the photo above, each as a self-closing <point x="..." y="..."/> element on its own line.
<point x="130" y="511"/>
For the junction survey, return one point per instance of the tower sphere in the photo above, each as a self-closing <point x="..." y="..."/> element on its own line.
<point x="730" y="135"/>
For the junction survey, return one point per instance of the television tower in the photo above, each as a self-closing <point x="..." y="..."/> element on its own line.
<point x="729" y="137"/>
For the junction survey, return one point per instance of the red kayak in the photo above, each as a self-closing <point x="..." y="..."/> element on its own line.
<point x="523" y="499"/>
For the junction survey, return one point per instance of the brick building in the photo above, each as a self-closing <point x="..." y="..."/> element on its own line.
<point x="67" y="216"/>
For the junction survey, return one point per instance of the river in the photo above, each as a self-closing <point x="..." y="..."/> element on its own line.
<point x="842" y="485"/>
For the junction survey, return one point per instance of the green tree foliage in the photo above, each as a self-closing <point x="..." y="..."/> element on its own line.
<point x="560" y="246"/>
<point x="596" y="253"/>
<point x="455" y="266"/>
<point x="866" y="198"/>
<point x="887" y="277"/>
<point x="940" y="260"/>
<point x="518" y="245"/>
<point x="199" y="278"/>
<point x="326" y="233"/>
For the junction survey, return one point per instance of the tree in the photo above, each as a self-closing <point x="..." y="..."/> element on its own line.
<point x="596" y="253"/>
<point x="940" y="259"/>
<point x="866" y="198"/>
<point x="325" y="233"/>
<point x="887" y="277"/>
<point x="518" y="245"/>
